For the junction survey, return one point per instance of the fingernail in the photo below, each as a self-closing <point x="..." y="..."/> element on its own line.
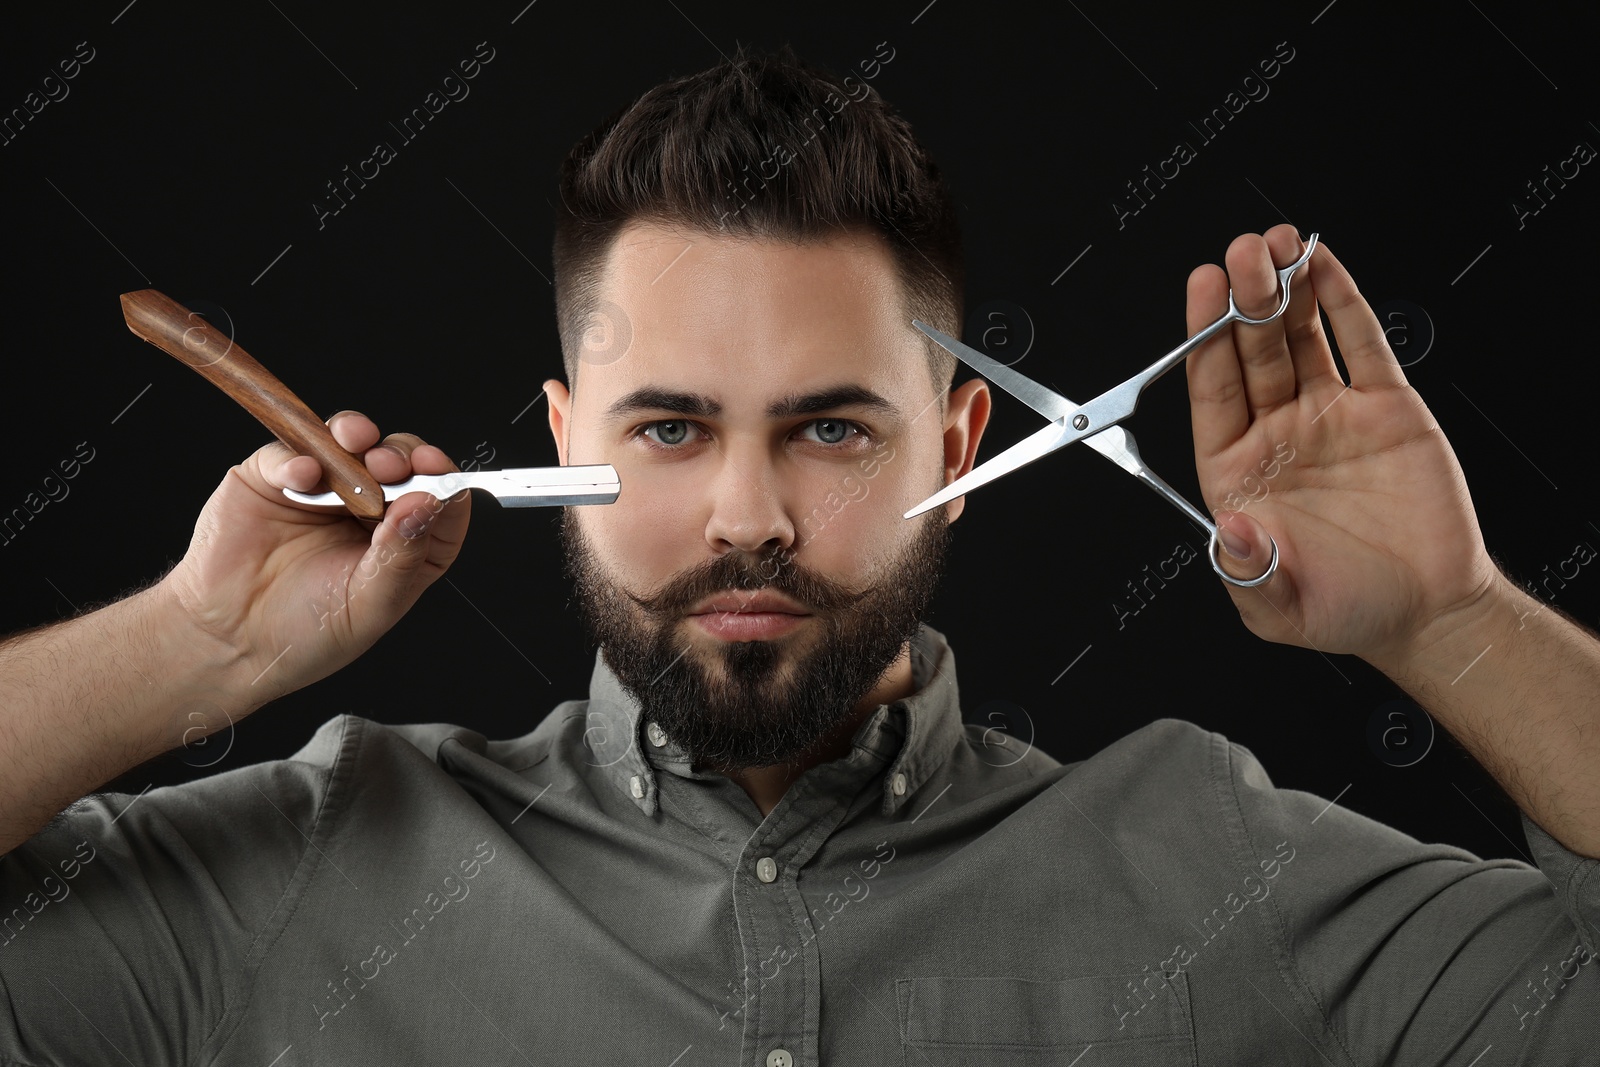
<point x="416" y="524"/>
<point x="1237" y="546"/>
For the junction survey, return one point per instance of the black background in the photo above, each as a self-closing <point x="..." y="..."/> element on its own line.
<point x="190" y="150"/>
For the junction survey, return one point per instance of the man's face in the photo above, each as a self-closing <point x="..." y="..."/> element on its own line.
<point x="705" y="385"/>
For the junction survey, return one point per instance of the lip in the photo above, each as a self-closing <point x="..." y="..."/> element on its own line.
<point x="763" y="602"/>
<point x="748" y="625"/>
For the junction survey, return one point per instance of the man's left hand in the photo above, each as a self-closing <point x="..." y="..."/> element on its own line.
<point x="1376" y="533"/>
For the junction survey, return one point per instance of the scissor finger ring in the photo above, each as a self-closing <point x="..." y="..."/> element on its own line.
<point x="1242" y="583"/>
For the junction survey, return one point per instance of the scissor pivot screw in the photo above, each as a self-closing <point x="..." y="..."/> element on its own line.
<point x="1080" y="422"/>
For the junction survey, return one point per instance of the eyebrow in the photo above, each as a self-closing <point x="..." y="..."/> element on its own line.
<point x="656" y="398"/>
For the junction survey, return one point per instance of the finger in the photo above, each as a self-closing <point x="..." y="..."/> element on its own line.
<point x="353" y="430"/>
<point x="405" y="454"/>
<point x="1246" y="545"/>
<point x="390" y="461"/>
<point x="408" y="552"/>
<point x="430" y="459"/>
<point x="1316" y="374"/>
<point x="300" y="473"/>
<point x="275" y="467"/>
<point x="441" y="524"/>
<point x="1263" y="354"/>
<point x="430" y="529"/>
<point x="1217" y="408"/>
<point x="1366" y="351"/>
<point x="281" y="468"/>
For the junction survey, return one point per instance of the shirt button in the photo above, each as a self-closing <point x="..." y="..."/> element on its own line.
<point x="767" y="871"/>
<point x="657" y="736"/>
<point x="779" y="1057"/>
<point x="638" y="786"/>
<point x="898" y="785"/>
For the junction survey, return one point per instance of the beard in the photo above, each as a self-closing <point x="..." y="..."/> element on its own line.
<point x="756" y="703"/>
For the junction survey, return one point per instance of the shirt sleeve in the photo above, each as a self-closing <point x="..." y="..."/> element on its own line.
<point x="131" y="922"/>
<point x="1425" y="953"/>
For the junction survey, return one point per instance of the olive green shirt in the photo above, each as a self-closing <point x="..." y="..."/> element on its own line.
<point x="943" y="895"/>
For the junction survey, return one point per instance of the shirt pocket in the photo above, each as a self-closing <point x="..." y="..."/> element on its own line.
<point x="1020" y="1022"/>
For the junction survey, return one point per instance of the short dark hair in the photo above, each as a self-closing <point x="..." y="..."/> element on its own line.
<point x="697" y="151"/>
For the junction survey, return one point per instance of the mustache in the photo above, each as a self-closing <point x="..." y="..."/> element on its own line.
<point x="737" y="573"/>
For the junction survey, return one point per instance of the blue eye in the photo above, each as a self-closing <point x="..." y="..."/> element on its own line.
<point x="833" y="425"/>
<point x="668" y="434"/>
<point x="671" y="428"/>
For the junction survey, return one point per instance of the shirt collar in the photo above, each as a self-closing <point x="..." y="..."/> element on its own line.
<point x="911" y="736"/>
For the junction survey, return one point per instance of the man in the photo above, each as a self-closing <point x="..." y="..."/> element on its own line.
<point x="766" y="837"/>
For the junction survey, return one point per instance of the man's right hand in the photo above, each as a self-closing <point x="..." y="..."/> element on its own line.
<point x="293" y="592"/>
<point x="271" y="596"/>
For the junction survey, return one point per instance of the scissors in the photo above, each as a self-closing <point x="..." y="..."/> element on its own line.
<point x="1097" y="421"/>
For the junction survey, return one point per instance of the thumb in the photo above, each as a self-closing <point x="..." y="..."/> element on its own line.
<point x="392" y="569"/>
<point x="1246" y="547"/>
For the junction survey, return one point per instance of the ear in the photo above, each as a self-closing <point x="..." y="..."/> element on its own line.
<point x="968" y="414"/>
<point x="560" y="411"/>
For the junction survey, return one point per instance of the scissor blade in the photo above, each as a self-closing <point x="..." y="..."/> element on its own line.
<point x="1045" y="401"/>
<point x="1112" y="442"/>
<point x="516" y="487"/>
<point x="1025" y="451"/>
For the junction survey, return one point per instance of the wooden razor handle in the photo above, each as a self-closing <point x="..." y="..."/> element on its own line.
<point x="187" y="336"/>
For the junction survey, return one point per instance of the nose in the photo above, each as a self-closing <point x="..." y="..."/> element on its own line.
<point x="748" y="513"/>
